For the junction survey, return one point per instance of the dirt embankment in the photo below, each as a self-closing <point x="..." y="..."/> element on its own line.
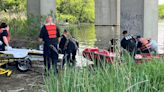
<point x="31" y="81"/>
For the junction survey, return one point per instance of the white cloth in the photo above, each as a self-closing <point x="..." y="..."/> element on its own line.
<point x="20" y="53"/>
<point x="17" y="53"/>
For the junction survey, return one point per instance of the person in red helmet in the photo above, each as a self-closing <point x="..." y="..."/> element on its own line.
<point x="50" y="35"/>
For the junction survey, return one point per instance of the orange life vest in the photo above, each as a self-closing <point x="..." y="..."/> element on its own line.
<point x="51" y="29"/>
<point x="145" y="44"/>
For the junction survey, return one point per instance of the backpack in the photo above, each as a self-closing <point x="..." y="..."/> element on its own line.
<point x="73" y="44"/>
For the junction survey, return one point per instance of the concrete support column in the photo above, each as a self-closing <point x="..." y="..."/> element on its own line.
<point x="140" y="17"/>
<point x="41" y="7"/>
<point x="132" y="16"/>
<point x="107" y="22"/>
<point x="151" y="19"/>
<point x="37" y="11"/>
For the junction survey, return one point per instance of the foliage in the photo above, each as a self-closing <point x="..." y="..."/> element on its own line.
<point x="81" y="10"/>
<point x="161" y="11"/>
<point x="63" y="17"/>
<point x="12" y="5"/>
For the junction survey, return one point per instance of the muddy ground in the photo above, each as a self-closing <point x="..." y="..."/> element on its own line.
<point x="31" y="81"/>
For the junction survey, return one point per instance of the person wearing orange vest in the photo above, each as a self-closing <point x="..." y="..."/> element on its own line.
<point x="143" y="45"/>
<point x="50" y="35"/>
<point x="4" y="37"/>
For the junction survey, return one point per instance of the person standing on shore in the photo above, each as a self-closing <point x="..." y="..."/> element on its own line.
<point x="50" y="35"/>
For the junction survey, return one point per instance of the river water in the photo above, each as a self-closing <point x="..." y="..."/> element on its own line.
<point x="85" y="34"/>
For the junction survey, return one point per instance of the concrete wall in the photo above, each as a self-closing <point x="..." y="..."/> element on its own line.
<point x="140" y="17"/>
<point x="107" y="14"/>
<point x="104" y="34"/>
<point x="47" y="6"/>
<point x="151" y="19"/>
<point x="41" y="7"/>
<point x="132" y="15"/>
<point x="33" y="7"/>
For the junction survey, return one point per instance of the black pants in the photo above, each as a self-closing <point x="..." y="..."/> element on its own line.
<point x="67" y="57"/>
<point x="50" y="58"/>
<point x="146" y="51"/>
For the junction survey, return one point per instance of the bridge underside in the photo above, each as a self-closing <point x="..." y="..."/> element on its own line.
<point x="139" y="17"/>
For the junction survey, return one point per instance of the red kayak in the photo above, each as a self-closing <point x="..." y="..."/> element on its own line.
<point x="95" y="54"/>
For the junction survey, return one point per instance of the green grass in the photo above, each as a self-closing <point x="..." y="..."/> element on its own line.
<point x="124" y="77"/>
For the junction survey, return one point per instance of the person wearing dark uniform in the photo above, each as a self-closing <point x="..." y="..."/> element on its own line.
<point x="4" y="45"/>
<point x="68" y="48"/>
<point x="128" y="43"/>
<point x="50" y="34"/>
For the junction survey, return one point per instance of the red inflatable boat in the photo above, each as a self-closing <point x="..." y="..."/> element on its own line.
<point x="95" y="54"/>
<point x="140" y="58"/>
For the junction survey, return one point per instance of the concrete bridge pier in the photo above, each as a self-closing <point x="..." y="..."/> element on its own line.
<point x="107" y="22"/>
<point x="138" y="17"/>
<point x="39" y="9"/>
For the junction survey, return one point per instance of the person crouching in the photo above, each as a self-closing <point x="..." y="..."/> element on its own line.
<point x="68" y="47"/>
<point x="143" y="45"/>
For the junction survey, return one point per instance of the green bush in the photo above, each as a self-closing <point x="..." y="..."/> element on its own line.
<point x="69" y="17"/>
<point x="161" y="11"/>
<point x="81" y="10"/>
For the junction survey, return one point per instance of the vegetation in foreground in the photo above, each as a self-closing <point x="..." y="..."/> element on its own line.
<point x="125" y="77"/>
